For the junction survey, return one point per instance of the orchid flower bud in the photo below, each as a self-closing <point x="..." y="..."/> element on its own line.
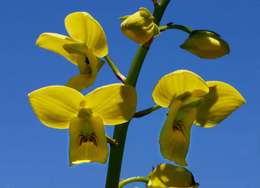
<point x="206" y="44"/>
<point x="167" y="175"/>
<point x="140" y="26"/>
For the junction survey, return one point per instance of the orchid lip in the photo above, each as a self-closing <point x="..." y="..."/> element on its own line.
<point x="92" y="138"/>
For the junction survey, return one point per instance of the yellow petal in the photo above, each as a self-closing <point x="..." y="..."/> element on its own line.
<point x="88" y="71"/>
<point x="167" y="175"/>
<point x="139" y="26"/>
<point x="55" y="43"/>
<point x="87" y="140"/>
<point x="218" y="104"/>
<point x="82" y="27"/>
<point x="76" y="48"/>
<point x="91" y="65"/>
<point x="81" y="81"/>
<point x="206" y="44"/>
<point x="115" y="103"/>
<point x="176" y="84"/>
<point x="175" y="134"/>
<point x="55" y="106"/>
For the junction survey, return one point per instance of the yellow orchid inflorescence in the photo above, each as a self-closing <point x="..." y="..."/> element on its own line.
<point x="190" y="99"/>
<point x="83" y="47"/>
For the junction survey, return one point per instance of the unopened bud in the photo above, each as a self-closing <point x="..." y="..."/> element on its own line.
<point x="206" y="44"/>
<point x="140" y="26"/>
<point x="167" y="175"/>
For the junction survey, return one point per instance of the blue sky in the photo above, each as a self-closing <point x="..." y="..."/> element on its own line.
<point x="33" y="155"/>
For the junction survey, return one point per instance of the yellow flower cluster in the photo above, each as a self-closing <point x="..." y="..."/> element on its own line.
<point x="190" y="99"/>
<point x="64" y="107"/>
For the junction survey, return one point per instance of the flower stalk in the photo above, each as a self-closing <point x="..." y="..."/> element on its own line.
<point x="120" y="132"/>
<point x="175" y="26"/>
<point x="115" y="69"/>
<point x="133" y="179"/>
<point x="111" y="141"/>
<point x="147" y="111"/>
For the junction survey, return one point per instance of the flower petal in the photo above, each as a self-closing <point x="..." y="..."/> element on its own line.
<point x="87" y="140"/>
<point x="88" y="71"/>
<point x="167" y="175"/>
<point x="82" y="27"/>
<point x="90" y="66"/>
<point x="55" y="106"/>
<point x="175" y="134"/>
<point x="56" y="42"/>
<point x="178" y="83"/>
<point x="115" y="103"/>
<point x="80" y="82"/>
<point x="218" y="104"/>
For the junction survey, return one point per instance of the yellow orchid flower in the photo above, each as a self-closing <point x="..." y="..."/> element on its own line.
<point x="85" y="44"/>
<point x="167" y="175"/>
<point x="206" y="44"/>
<point x="191" y="100"/>
<point x="173" y="91"/>
<point x="140" y="26"/>
<point x="62" y="107"/>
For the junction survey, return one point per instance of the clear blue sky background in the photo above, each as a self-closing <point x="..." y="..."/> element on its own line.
<point x="33" y="155"/>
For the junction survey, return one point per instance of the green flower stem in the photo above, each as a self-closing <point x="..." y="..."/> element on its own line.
<point x="155" y="2"/>
<point x="133" y="179"/>
<point x="146" y="111"/>
<point x="114" y="68"/>
<point x="159" y="9"/>
<point x="175" y="26"/>
<point x="136" y="66"/>
<point x="120" y="132"/>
